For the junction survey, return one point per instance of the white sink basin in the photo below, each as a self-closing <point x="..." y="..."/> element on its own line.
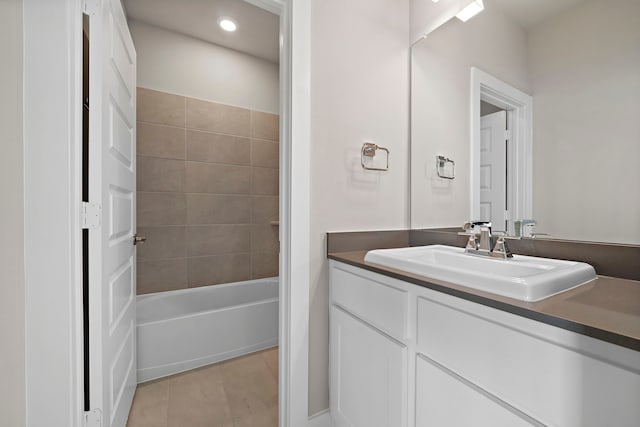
<point x="521" y="277"/>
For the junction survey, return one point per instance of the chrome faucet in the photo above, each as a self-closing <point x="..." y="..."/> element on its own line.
<point x="485" y="246"/>
<point x="485" y="239"/>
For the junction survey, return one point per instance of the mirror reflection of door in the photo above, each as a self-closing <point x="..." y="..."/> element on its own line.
<point x="493" y="169"/>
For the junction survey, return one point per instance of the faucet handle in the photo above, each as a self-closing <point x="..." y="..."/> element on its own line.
<point x="501" y="250"/>
<point x="472" y="243"/>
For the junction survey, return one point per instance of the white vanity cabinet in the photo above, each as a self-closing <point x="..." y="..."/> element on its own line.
<point x="405" y="355"/>
<point x="368" y="355"/>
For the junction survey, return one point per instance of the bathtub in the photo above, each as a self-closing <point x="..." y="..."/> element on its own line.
<point x="185" y="329"/>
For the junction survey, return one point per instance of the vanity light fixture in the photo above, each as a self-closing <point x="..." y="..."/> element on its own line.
<point x="227" y="24"/>
<point x="470" y="11"/>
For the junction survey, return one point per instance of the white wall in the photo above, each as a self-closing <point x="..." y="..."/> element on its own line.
<point x="175" y="63"/>
<point x="359" y="92"/>
<point x="12" y="308"/>
<point x="586" y="140"/>
<point x="440" y="107"/>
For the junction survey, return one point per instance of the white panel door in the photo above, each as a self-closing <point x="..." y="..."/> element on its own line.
<point x="445" y="399"/>
<point x="493" y="169"/>
<point x="112" y="183"/>
<point x="368" y="375"/>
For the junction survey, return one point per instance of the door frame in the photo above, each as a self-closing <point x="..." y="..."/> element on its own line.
<point x="519" y="107"/>
<point x="52" y="124"/>
<point x="294" y="189"/>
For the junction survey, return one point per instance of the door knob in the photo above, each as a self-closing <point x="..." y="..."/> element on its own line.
<point x="138" y="239"/>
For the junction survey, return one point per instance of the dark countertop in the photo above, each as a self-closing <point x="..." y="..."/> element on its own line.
<point x="607" y="308"/>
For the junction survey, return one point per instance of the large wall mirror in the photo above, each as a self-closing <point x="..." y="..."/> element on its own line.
<point x="547" y="127"/>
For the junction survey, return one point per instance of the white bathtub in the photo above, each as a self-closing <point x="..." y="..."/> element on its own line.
<point x="186" y="329"/>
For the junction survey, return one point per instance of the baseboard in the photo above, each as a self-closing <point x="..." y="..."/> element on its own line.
<point x="321" y="419"/>
<point x="156" y="372"/>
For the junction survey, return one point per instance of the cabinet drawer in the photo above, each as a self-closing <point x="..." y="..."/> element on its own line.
<point x="379" y="303"/>
<point x="523" y="363"/>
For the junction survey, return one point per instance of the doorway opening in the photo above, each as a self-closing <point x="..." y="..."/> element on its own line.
<point x="501" y="155"/>
<point x="208" y="133"/>
<point x="494" y="149"/>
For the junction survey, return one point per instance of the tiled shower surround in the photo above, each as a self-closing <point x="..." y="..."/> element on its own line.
<point x="207" y="192"/>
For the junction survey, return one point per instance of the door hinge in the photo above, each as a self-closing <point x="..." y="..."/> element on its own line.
<point x="90" y="7"/>
<point x="507" y="135"/>
<point x="91" y="215"/>
<point x="93" y="418"/>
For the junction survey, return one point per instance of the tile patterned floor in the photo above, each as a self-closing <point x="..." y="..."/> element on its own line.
<point x="241" y="392"/>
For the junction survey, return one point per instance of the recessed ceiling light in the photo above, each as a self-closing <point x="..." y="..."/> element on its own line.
<point x="470" y="11"/>
<point x="227" y="24"/>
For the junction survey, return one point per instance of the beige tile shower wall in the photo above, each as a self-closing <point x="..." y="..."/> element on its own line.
<point x="207" y="192"/>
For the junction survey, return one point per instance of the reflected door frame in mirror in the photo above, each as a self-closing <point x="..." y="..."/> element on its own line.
<point x="519" y="108"/>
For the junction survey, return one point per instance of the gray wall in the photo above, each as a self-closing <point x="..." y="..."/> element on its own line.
<point x="585" y="73"/>
<point x="207" y="192"/>
<point x="359" y="92"/>
<point x="12" y="303"/>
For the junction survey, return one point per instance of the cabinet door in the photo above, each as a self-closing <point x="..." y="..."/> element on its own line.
<point x="368" y="375"/>
<point x="445" y="399"/>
